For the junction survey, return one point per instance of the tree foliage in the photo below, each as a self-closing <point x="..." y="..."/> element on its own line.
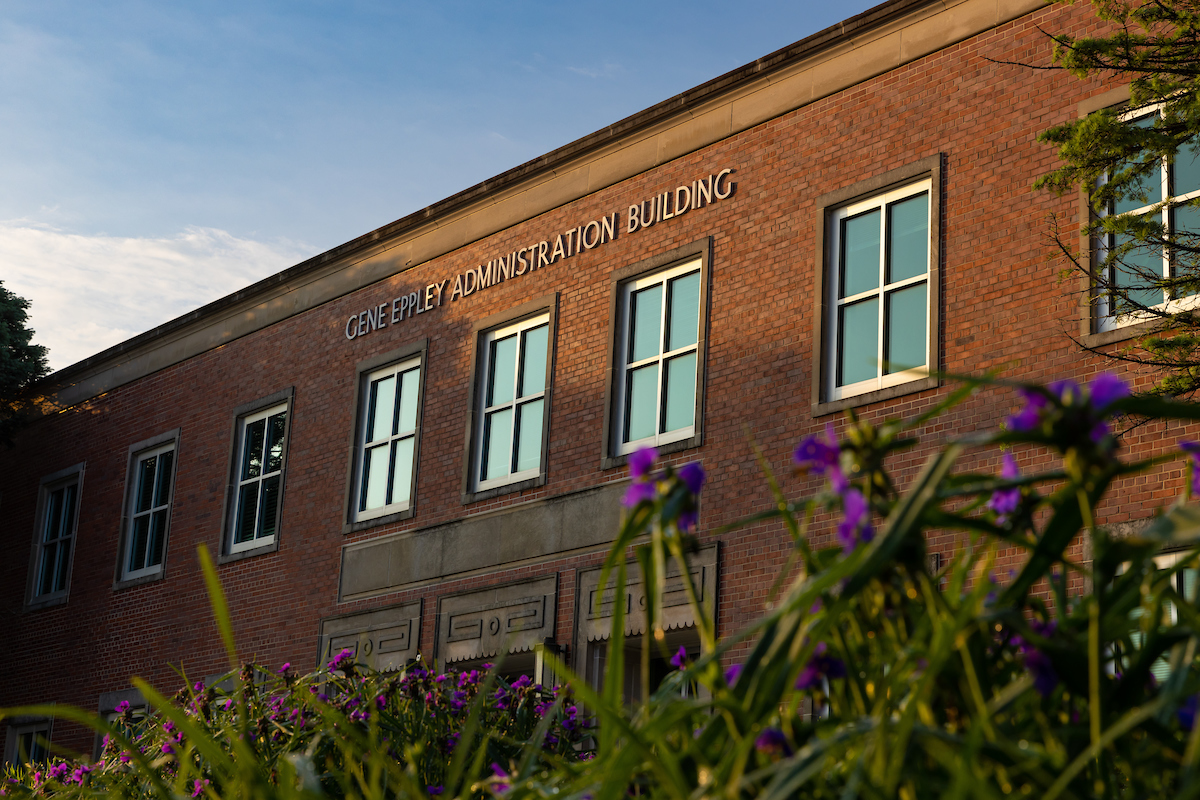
<point x="21" y="361"/>
<point x="1117" y="156"/>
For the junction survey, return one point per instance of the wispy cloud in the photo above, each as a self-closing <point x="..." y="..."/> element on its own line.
<point x="88" y="293"/>
<point x="609" y="70"/>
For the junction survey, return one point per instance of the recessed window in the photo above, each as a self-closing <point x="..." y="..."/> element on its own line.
<point x="511" y="412"/>
<point x="386" y="441"/>
<point x="1131" y="268"/>
<point x="658" y="350"/>
<point x="148" y="493"/>
<point x="258" y="466"/>
<point x="54" y="536"/>
<point x="28" y="741"/>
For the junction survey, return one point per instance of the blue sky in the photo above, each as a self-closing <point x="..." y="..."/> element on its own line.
<point x="158" y="155"/>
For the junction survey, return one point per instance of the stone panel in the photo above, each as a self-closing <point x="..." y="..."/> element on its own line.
<point x="506" y="619"/>
<point x="383" y="639"/>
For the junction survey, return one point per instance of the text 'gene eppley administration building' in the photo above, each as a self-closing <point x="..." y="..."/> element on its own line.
<point x="418" y="441"/>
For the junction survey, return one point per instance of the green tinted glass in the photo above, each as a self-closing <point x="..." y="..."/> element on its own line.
<point x="860" y="254"/>
<point x="402" y="473"/>
<point x="642" y="403"/>
<point x="497" y="447"/>
<point x="503" y="373"/>
<point x="858" y="337"/>
<point x="908" y="238"/>
<point x="906" y="321"/>
<point x="383" y="404"/>
<point x="680" y="402"/>
<point x="533" y="366"/>
<point x="529" y="435"/>
<point x="683" y="311"/>
<point x="646" y="317"/>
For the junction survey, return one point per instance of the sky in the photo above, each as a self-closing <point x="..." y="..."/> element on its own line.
<point x="155" y="156"/>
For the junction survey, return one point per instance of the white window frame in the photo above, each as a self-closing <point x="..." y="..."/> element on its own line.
<point x="131" y="514"/>
<point x="834" y="303"/>
<point x="1165" y="209"/>
<point x="69" y="478"/>
<point x="621" y="398"/>
<point x="358" y="513"/>
<point x="237" y="482"/>
<point x="483" y="410"/>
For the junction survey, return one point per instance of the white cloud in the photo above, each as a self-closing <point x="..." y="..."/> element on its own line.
<point x="88" y="293"/>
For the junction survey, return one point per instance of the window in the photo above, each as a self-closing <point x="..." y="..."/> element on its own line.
<point x="258" y="461"/>
<point x="54" y="536"/>
<point x="877" y="288"/>
<point x="28" y="741"/>
<point x="511" y="402"/>
<point x="386" y="442"/>
<point x="660" y="321"/>
<point x="1185" y="580"/>
<point x="1130" y="272"/>
<point x="149" y="486"/>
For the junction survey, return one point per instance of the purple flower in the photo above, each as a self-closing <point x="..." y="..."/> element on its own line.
<point x="80" y="771"/>
<point x="1030" y="416"/>
<point x="499" y="772"/>
<point x="819" y="667"/>
<point x="1193" y="451"/>
<point x="340" y="658"/>
<point x="855" y="526"/>
<point x="692" y="475"/>
<point x="1045" y="679"/>
<point x="637" y="492"/>
<point x="679" y="660"/>
<point x="433" y="791"/>
<point x="198" y="786"/>
<point x="122" y="707"/>
<point x="283" y="670"/>
<point x="1187" y="712"/>
<point x="1005" y="501"/>
<point x="58" y="771"/>
<point x="1106" y="389"/>
<point x="822" y="458"/>
<point x="381" y="702"/>
<point x="124" y="758"/>
<point x="167" y="748"/>
<point x="686" y="521"/>
<point x="772" y="742"/>
<point x="521" y="682"/>
<point x="641" y="462"/>
<point x="732" y="674"/>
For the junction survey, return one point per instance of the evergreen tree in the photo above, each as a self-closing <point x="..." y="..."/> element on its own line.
<point x="21" y="363"/>
<point x="1140" y="167"/>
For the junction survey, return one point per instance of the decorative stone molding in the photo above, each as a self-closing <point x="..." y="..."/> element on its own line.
<point x="507" y="619"/>
<point x="383" y="639"/>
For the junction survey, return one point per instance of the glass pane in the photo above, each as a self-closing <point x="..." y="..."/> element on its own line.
<point x="270" y="506"/>
<point x="162" y="487"/>
<point x="1188" y="580"/>
<point x="54" y="515"/>
<point x="642" y="403"/>
<point x="402" y="479"/>
<point x="533" y="367"/>
<point x="67" y="526"/>
<point x="1133" y="274"/>
<point x="275" y="425"/>
<point x="247" y="512"/>
<point x="63" y="562"/>
<point x="145" y="484"/>
<point x="139" y="537"/>
<point x="409" y="381"/>
<point x="1187" y="168"/>
<point x="502" y="374"/>
<point x="684" y="311"/>
<point x="529" y="435"/>
<point x="383" y="404"/>
<point x="1186" y="220"/>
<point x="858" y="342"/>
<point x="645" y="314"/>
<point x="906" y="323"/>
<point x="680" y="405"/>
<point x="1150" y="185"/>
<point x="375" y="477"/>
<point x="252" y="449"/>
<point x="860" y="253"/>
<point x="908" y="238"/>
<point x="497" y="444"/>
<point x="158" y="537"/>
<point x="46" y="578"/>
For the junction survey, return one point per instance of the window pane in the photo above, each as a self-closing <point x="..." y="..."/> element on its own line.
<point x="252" y="449"/>
<point x="497" y="444"/>
<point x="62" y="562"/>
<point x="684" y="311"/>
<point x="1187" y="168"/>
<point x="503" y="372"/>
<point x="533" y="368"/>
<point x="1134" y="275"/>
<point x="54" y="515"/>
<point x="383" y="403"/>
<point x="529" y="435"/>
<point x="402" y="478"/>
<point x="860" y="253"/>
<point x="145" y="484"/>
<point x="858" y="339"/>
<point x="906" y="322"/>
<point x="409" y="382"/>
<point x="645" y="315"/>
<point x="1150" y="185"/>
<point x="139" y="537"/>
<point x="275" y="425"/>
<point x="908" y="238"/>
<point x="158" y="537"/>
<point x="1186" y="219"/>
<point x="375" y="477"/>
<point x="642" y="408"/>
<point x="162" y="487"/>
<point x="680" y="405"/>
<point x="67" y="523"/>
<point x="270" y="506"/>
<point x="247" y="512"/>
<point x="46" y="578"/>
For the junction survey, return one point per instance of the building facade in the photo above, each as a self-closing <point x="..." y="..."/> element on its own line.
<point x="417" y="442"/>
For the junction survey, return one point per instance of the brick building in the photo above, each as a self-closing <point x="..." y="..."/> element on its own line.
<point x="417" y="441"/>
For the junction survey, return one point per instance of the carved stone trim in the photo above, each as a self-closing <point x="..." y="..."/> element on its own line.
<point x="513" y="618"/>
<point x="383" y="639"/>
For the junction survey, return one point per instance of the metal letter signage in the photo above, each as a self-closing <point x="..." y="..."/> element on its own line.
<point x="668" y="204"/>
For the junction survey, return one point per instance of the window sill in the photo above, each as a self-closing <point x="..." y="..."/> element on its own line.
<point x="508" y="488"/>
<point x="695" y="440"/>
<point x="270" y="547"/>
<point x="866" y="398"/>
<point x="1121" y="334"/>
<point x="129" y="583"/>
<point x="373" y="522"/>
<point x="37" y="604"/>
